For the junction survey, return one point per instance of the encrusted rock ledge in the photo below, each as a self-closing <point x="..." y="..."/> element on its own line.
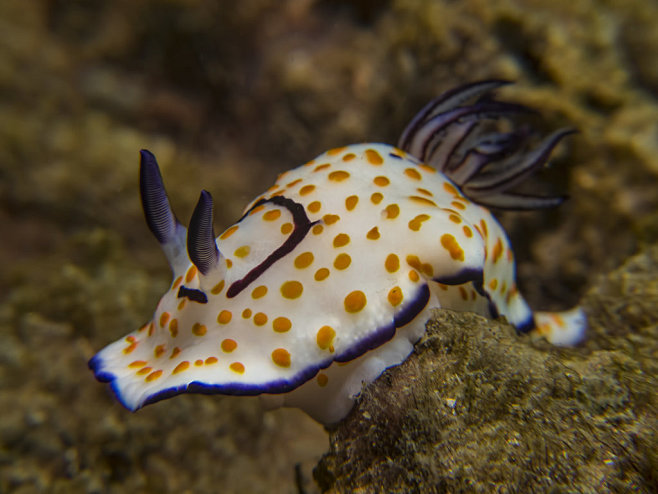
<point x="477" y="408"/>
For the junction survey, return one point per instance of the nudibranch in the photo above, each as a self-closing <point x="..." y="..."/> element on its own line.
<point x="329" y="276"/>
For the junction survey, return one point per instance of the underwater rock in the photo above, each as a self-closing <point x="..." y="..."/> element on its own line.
<point x="477" y="406"/>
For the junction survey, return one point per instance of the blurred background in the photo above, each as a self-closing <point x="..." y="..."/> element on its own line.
<point x="228" y="95"/>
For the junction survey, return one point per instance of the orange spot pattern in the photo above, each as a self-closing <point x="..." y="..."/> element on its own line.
<point x="451" y="245"/>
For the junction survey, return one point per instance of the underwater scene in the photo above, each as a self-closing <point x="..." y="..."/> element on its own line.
<point x="328" y="246"/>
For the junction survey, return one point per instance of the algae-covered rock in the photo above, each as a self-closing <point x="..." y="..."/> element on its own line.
<point x="228" y="94"/>
<point x="477" y="408"/>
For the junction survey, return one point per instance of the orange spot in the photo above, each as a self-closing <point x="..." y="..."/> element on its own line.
<point x="237" y="367"/>
<point x="338" y="176"/>
<point x="557" y="320"/>
<point x="228" y="345"/>
<point x="130" y="348"/>
<point x="395" y="296"/>
<point x="351" y="202"/>
<point x="467" y="231"/>
<point x="381" y="181"/>
<point x="198" y="362"/>
<point x="392" y="211"/>
<point x="483" y="225"/>
<point x="349" y="157"/>
<point x="304" y="260"/>
<point x="224" y="317"/>
<point x="463" y="293"/>
<point x="321" y="274"/>
<point x="286" y="228"/>
<point x="325" y="337"/>
<point x="373" y="234"/>
<point x="259" y="292"/>
<point x="144" y="371"/>
<point x="455" y="219"/>
<point x="392" y="263"/>
<point x="417" y="222"/>
<point x="428" y="270"/>
<point x="317" y="229"/>
<point x="137" y="364"/>
<point x="422" y="201"/>
<point x="307" y="189"/>
<point x="281" y="357"/>
<point x="191" y="273"/>
<point x="184" y="365"/>
<point x="229" y="263"/>
<point x="152" y="326"/>
<point x="260" y="319"/>
<point x="246" y="314"/>
<point x="412" y="173"/>
<point x="342" y="261"/>
<point x="178" y="281"/>
<point x="503" y="288"/>
<point x="322" y="379"/>
<point x="281" y="324"/>
<point x="355" y="301"/>
<point x="180" y="307"/>
<point x="314" y="207"/>
<point x="217" y="289"/>
<point x="242" y="251"/>
<point x="414" y="262"/>
<point x="493" y="284"/>
<point x="199" y="329"/>
<point x="175" y="352"/>
<point x="258" y="209"/>
<point x="153" y="376"/>
<point x="292" y="289"/>
<point x="497" y="250"/>
<point x="450" y="189"/>
<point x="293" y="183"/>
<point x="335" y="151"/>
<point x="373" y="157"/>
<point x="164" y="319"/>
<point x="414" y="276"/>
<point x="229" y="232"/>
<point x="425" y="191"/>
<point x="427" y="168"/>
<point x="458" y="205"/>
<point x="330" y="219"/>
<point x="321" y="167"/>
<point x="451" y="245"/>
<point x="272" y="215"/>
<point x="211" y="360"/>
<point x="376" y="198"/>
<point x="159" y="350"/>
<point x="341" y="240"/>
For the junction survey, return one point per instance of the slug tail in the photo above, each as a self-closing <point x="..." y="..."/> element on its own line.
<point x="562" y="328"/>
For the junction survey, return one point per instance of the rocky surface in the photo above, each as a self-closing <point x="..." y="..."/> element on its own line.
<point x="229" y="94"/>
<point x="478" y="409"/>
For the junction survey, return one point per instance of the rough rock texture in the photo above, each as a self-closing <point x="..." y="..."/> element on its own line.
<point x="479" y="409"/>
<point x="228" y="94"/>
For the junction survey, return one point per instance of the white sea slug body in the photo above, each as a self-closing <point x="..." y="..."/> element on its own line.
<point x="329" y="276"/>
